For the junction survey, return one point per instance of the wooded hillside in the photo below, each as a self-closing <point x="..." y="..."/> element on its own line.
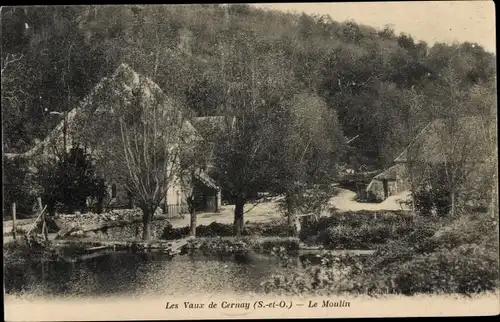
<point x="384" y="87"/>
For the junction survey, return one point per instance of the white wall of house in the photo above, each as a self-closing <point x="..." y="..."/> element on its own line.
<point x="174" y="195"/>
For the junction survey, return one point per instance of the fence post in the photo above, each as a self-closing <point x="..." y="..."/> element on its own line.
<point x="14" y="220"/>
<point x="39" y="202"/>
<point x="44" y="227"/>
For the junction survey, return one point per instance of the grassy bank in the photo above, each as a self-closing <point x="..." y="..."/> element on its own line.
<point x="275" y="228"/>
<point x="354" y="230"/>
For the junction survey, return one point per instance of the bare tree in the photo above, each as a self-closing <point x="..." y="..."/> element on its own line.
<point x="150" y="155"/>
<point x="194" y="153"/>
<point x="144" y="134"/>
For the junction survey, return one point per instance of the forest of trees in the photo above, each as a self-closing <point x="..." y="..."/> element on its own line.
<point x="383" y="87"/>
<point x="321" y="80"/>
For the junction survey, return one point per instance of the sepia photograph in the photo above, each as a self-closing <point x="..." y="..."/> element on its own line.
<point x="259" y="160"/>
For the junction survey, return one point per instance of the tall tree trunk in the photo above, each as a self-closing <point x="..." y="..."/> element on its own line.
<point x="193" y="223"/>
<point x="147" y="216"/>
<point x="51" y="209"/>
<point x="494" y="195"/>
<point x="191" y="203"/>
<point x="238" y="216"/>
<point x="291" y="215"/>
<point x="100" y="205"/>
<point x="453" y="202"/>
<point x="130" y="200"/>
<point x="192" y="213"/>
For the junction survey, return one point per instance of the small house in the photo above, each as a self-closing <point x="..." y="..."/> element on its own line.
<point x="106" y="97"/>
<point x="390" y="182"/>
<point x="465" y="144"/>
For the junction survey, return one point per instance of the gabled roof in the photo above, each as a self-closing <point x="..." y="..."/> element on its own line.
<point x="104" y="98"/>
<point x="207" y="180"/>
<point x="441" y="140"/>
<point x="389" y="174"/>
<point x="208" y="126"/>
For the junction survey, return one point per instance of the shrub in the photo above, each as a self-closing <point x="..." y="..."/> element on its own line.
<point x="18" y="252"/>
<point x="18" y="182"/>
<point x="174" y="233"/>
<point x="333" y="275"/>
<point x="68" y="183"/>
<point x="275" y="228"/>
<point x="230" y="245"/>
<point x="366" y="235"/>
<point x="316" y="229"/>
<point x="438" y="256"/>
<point x="465" y="269"/>
<point x="467" y="230"/>
<point x="214" y="229"/>
<point x="267" y="245"/>
<point x="341" y="237"/>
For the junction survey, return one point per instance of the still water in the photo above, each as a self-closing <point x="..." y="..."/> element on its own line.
<point x="141" y="274"/>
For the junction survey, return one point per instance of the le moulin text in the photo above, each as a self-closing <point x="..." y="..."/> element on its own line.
<point x="257" y="305"/>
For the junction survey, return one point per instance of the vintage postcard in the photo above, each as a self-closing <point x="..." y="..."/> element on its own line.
<point x="237" y="161"/>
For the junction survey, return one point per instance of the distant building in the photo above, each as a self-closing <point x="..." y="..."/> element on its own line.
<point x="468" y="141"/>
<point x="388" y="183"/>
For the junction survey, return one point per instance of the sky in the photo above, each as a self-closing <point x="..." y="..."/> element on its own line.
<point x="430" y="21"/>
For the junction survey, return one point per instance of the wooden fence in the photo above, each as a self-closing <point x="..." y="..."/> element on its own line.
<point x="176" y="211"/>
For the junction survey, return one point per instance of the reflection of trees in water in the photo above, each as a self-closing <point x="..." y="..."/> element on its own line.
<point x="19" y="278"/>
<point x="142" y="274"/>
<point x="115" y="273"/>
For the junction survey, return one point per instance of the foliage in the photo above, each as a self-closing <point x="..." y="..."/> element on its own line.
<point x="229" y="245"/>
<point x="276" y="228"/>
<point x="18" y="181"/>
<point x="19" y="252"/>
<point x="332" y="275"/>
<point x="468" y="268"/>
<point x="255" y="67"/>
<point x="214" y="229"/>
<point x="357" y="230"/>
<point x="310" y="144"/>
<point x="53" y="56"/>
<point x="69" y="182"/>
<point x="438" y="256"/>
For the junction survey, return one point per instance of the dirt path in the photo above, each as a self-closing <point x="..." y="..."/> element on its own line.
<point x="261" y="212"/>
<point x="345" y="201"/>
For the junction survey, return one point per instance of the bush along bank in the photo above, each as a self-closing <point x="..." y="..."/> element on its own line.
<point x="356" y="230"/>
<point x="231" y="245"/>
<point x="217" y="239"/>
<point x="277" y="228"/>
<point x="359" y="230"/>
<point x="438" y="256"/>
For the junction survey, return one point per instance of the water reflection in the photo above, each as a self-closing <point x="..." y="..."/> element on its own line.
<point x="141" y="274"/>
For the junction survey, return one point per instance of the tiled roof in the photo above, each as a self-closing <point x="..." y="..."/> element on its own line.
<point x="467" y="137"/>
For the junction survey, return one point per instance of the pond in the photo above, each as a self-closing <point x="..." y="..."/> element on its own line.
<point x="140" y="274"/>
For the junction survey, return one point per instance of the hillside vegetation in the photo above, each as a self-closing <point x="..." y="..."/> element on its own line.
<point x="384" y="87"/>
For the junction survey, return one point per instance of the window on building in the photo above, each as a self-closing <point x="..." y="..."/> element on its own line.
<point x="113" y="190"/>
